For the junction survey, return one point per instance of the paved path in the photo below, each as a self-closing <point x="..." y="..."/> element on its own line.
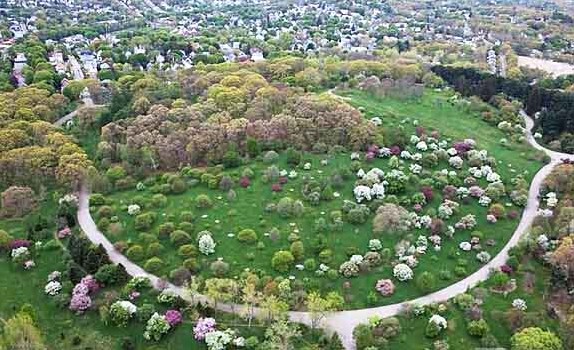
<point x="87" y="102"/>
<point x="344" y="322"/>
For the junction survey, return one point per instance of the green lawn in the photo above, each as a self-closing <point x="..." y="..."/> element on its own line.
<point x="248" y="210"/>
<point x="434" y="112"/>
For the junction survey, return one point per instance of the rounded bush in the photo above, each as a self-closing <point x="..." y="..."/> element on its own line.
<point x="282" y="260"/>
<point x="179" y="276"/>
<point x="144" y="312"/>
<point x="270" y="157"/>
<point x="219" y="268"/>
<point x="159" y="200"/>
<point x="186" y="216"/>
<point x="154" y="249"/>
<point x="5" y="240"/>
<point x="105" y="211"/>
<point x="247" y="236"/>
<point x="135" y="253"/>
<point x="297" y="250"/>
<point x="144" y="221"/>
<point x="477" y="328"/>
<point x="187" y="251"/>
<point x="203" y="201"/>
<point x="192" y="265"/>
<point x="97" y="199"/>
<point x="179" y="237"/>
<point x="426" y="281"/>
<point x="178" y="186"/>
<point x="147" y="238"/>
<point x="325" y="256"/>
<point x="165" y="229"/>
<point x="107" y="274"/>
<point x="154" y="264"/>
<point x="310" y="264"/>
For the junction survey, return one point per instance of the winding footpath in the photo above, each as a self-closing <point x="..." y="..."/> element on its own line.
<point x="343" y="322"/>
<point x="87" y="103"/>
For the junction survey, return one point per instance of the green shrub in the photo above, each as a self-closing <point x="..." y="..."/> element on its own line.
<point x="105" y="211"/>
<point x="144" y="221"/>
<point x="231" y="159"/>
<point x="118" y="315"/>
<point x="500" y="279"/>
<point x="293" y="156"/>
<point x="247" y="236"/>
<point x="186" y="216"/>
<point x="282" y="260"/>
<point x="147" y="238"/>
<point x="432" y="330"/>
<point x="179" y="276"/>
<point x="219" y="268"/>
<point x="97" y="199"/>
<point x="325" y="256"/>
<point x="477" y="328"/>
<point x="203" y="201"/>
<point x="165" y="229"/>
<point x="178" y="186"/>
<point x="426" y="281"/>
<point x="135" y="253"/>
<point x="297" y="250"/>
<point x="192" y="265"/>
<point x="107" y="275"/>
<point x="464" y="301"/>
<point x="179" y="237"/>
<point x="187" y="250"/>
<point x="5" y="240"/>
<point x="154" y="264"/>
<point x="144" y="312"/>
<point x="154" y="248"/>
<point x="159" y="200"/>
<point x="310" y="264"/>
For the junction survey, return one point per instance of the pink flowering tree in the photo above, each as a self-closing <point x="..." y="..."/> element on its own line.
<point x="386" y="287"/>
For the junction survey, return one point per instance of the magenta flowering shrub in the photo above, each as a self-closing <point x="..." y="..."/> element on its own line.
<point x="202" y="327"/>
<point x="173" y="317"/>
<point x="373" y="149"/>
<point x="276" y="188"/>
<point x="428" y="193"/>
<point x="370" y="156"/>
<point x="81" y="300"/>
<point x="506" y="269"/>
<point x="449" y="192"/>
<point x="65" y="232"/>
<point x="244" y="182"/>
<point x="282" y="180"/>
<point x="19" y="243"/>
<point x="462" y="147"/>
<point x="90" y="282"/>
<point x="386" y="287"/>
<point x="395" y="150"/>
<point x="476" y="191"/>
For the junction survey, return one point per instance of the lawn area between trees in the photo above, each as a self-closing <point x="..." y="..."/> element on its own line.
<point x="170" y="212"/>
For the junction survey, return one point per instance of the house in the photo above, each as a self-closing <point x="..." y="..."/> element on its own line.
<point x="257" y="55"/>
<point x="20" y="62"/>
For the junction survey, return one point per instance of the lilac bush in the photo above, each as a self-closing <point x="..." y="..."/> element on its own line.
<point x="203" y="327"/>
<point x="173" y="317"/>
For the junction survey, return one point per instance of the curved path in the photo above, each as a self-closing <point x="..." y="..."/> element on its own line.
<point x="343" y="322"/>
<point x="87" y="102"/>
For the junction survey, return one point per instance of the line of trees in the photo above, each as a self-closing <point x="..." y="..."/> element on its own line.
<point x="556" y="119"/>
